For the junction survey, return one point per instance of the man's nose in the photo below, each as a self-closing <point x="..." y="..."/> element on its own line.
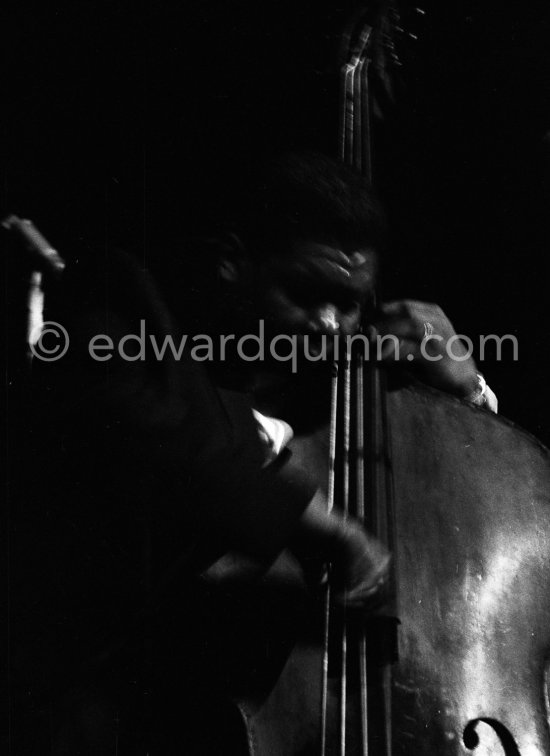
<point x="326" y="319"/>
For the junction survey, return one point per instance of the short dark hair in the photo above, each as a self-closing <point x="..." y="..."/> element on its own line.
<point x="306" y="196"/>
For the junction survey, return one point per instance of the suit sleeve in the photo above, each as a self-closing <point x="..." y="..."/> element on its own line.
<point x="163" y="435"/>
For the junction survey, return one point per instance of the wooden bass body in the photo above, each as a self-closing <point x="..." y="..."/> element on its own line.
<point x="472" y="570"/>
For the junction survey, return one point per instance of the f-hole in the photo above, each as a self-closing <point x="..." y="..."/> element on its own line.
<point x="471" y="738"/>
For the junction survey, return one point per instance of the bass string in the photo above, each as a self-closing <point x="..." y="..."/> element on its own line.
<point x="348" y="382"/>
<point x="335" y="381"/>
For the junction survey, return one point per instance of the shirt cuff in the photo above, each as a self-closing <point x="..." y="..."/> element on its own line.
<point x="483" y="396"/>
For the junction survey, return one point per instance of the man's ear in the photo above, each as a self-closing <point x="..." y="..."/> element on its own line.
<point x="233" y="260"/>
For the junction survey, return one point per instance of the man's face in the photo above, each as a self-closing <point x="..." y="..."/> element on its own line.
<point x="316" y="289"/>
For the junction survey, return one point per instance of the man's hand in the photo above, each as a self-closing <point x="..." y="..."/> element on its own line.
<point x="421" y="336"/>
<point x="361" y="568"/>
<point x="360" y="562"/>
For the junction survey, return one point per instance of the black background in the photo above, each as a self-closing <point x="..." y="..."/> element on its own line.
<point x="120" y="118"/>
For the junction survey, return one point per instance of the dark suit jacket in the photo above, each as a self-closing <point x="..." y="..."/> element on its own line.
<point x="131" y="474"/>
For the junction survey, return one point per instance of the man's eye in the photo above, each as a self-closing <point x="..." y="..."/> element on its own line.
<point x="303" y="296"/>
<point x="348" y="305"/>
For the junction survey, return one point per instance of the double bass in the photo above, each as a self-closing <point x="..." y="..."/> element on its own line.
<point x="456" y="660"/>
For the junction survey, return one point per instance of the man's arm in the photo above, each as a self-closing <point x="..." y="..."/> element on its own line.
<point x="179" y="441"/>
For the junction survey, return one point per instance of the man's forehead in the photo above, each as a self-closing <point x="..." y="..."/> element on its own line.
<point x="349" y="259"/>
